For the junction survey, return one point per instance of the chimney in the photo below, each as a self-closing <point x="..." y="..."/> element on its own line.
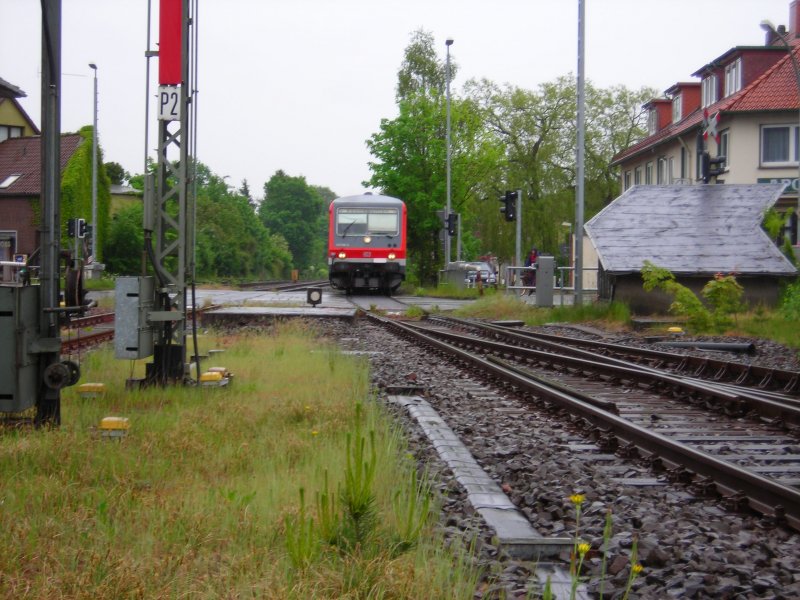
<point x="794" y="19"/>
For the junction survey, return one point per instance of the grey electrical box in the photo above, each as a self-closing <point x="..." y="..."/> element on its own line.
<point x="545" y="266"/>
<point x="133" y="334"/>
<point x="19" y="329"/>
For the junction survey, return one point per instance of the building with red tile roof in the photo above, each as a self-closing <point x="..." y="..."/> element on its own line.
<point x="20" y="175"/>
<point x="744" y="112"/>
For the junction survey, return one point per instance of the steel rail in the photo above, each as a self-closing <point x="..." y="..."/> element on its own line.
<point x="733" y="402"/>
<point x="755" y="395"/>
<point x="89" y="320"/>
<point x="762" y="494"/>
<point x="764" y="377"/>
<point x="87" y="340"/>
<point x="769" y="405"/>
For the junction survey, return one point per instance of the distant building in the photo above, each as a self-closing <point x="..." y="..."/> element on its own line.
<point x="122" y="196"/>
<point x="14" y="121"/>
<point x="20" y="189"/>
<point x="20" y="177"/>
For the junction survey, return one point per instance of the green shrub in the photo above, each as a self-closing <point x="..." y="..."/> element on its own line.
<point x="684" y="301"/>
<point x="723" y="294"/>
<point x="790" y="302"/>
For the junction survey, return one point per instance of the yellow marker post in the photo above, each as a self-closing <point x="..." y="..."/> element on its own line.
<point x="115" y="427"/>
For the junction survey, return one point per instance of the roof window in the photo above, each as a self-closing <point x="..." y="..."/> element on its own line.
<point x="9" y="180"/>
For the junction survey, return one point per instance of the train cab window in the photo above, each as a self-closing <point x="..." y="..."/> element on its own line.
<point x="363" y="221"/>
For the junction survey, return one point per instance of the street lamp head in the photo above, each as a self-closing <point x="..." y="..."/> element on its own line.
<point x="767" y="26"/>
<point x="448" y="42"/>
<point x="93" y="66"/>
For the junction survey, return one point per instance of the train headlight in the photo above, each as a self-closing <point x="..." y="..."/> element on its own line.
<point x="367" y="239"/>
<point x="342" y="255"/>
<point x="392" y="256"/>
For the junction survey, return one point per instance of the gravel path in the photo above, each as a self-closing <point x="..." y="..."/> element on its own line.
<point x="689" y="546"/>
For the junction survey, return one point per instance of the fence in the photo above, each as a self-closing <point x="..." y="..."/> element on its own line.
<point x="514" y="281"/>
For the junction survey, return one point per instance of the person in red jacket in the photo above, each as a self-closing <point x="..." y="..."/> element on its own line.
<point x="529" y="277"/>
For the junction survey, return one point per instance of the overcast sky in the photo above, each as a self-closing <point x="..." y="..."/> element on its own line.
<point x="299" y="85"/>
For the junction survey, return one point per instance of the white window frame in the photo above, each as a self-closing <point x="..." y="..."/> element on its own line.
<point x="637" y="175"/>
<point x="652" y="121"/>
<point x="670" y="169"/>
<point x="648" y="173"/>
<point x="626" y="183"/>
<point x="10" y="131"/>
<point x="724" y="147"/>
<point x="708" y="90"/>
<point x="677" y="108"/>
<point x="792" y="146"/>
<point x="661" y="171"/>
<point x="733" y="77"/>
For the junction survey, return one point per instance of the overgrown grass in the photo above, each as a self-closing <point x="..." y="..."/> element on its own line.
<point x="763" y="323"/>
<point x="201" y="498"/>
<point x="508" y="306"/>
<point x="769" y="325"/>
<point x="446" y="290"/>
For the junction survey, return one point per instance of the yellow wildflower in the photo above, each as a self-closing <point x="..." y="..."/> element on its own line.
<point x="577" y="499"/>
<point x="314" y="432"/>
<point x="583" y="548"/>
<point x="637" y="568"/>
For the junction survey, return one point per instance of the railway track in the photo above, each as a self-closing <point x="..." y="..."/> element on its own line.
<point x="284" y="286"/>
<point x="701" y="432"/>
<point x="82" y="333"/>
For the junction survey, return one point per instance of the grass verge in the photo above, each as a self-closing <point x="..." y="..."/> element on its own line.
<point x="508" y="306"/>
<point x="290" y="483"/>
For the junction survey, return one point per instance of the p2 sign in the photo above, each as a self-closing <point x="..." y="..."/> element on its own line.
<point x="169" y="103"/>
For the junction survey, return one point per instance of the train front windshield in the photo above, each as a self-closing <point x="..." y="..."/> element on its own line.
<point x="358" y="222"/>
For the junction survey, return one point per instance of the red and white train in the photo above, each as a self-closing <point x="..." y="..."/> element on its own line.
<point x="367" y="243"/>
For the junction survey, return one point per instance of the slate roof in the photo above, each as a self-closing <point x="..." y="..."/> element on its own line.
<point x="22" y="156"/>
<point x="9" y="90"/>
<point x="689" y="230"/>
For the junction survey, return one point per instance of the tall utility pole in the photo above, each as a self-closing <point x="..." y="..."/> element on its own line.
<point x="48" y="399"/>
<point x="94" y="171"/>
<point x="447" y="43"/>
<point x="579" y="159"/>
<point x="518" y="244"/>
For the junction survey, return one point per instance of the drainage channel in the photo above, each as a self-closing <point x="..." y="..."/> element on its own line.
<point x="514" y="533"/>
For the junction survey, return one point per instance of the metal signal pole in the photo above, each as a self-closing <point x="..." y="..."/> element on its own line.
<point x="447" y="43"/>
<point x="579" y="159"/>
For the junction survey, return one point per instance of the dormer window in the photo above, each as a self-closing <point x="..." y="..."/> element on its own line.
<point x="6" y="183"/>
<point x="733" y="77"/>
<point x="677" y="108"/>
<point x="708" y="91"/>
<point x="652" y="122"/>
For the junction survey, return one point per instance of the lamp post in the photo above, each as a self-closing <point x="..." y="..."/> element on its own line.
<point x="768" y="27"/>
<point x="94" y="170"/>
<point x="447" y="43"/>
<point x="579" y="159"/>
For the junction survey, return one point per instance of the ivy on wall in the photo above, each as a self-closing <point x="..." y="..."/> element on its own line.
<point x="76" y="190"/>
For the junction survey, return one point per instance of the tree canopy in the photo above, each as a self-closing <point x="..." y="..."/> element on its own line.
<point x="502" y="138"/>
<point x="297" y="211"/>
